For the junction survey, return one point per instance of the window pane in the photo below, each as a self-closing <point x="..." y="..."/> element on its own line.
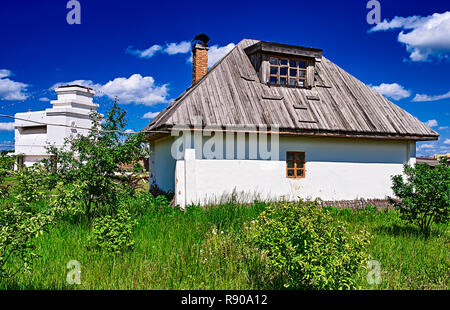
<point x="290" y="156"/>
<point x="292" y="63"/>
<point x="283" y="81"/>
<point x="283" y="71"/>
<point x="301" y="83"/>
<point x="301" y="73"/>
<point x="290" y="173"/>
<point x="293" y="72"/>
<point x="273" y="80"/>
<point x="273" y="70"/>
<point x="292" y="82"/>
<point x="302" y="64"/>
<point x="283" y="62"/>
<point x="300" y="173"/>
<point x="300" y="164"/>
<point x="273" y="61"/>
<point x="290" y="164"/>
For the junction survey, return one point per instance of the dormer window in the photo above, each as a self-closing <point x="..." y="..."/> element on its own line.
<point x="284" y="65"/>
<point x="287" y="71"/>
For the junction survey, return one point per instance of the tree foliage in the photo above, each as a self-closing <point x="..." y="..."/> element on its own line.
<point x="94" y="162"/>
<point x="423" y="194"/>
<point x="17" y="230"/>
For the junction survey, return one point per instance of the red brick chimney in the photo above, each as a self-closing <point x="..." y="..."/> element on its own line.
<point x="199" y="61"/>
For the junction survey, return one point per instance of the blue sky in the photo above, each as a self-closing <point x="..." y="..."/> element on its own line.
<point x="137" y="50"/>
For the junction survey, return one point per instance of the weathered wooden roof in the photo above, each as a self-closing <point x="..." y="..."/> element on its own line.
<point x="230" y="94"/>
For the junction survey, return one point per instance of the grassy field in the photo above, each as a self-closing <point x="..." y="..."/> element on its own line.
<point x="206" y="249"/>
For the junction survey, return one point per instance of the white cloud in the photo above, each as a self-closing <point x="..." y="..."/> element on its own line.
<point x="9" y="89"/>
<point x="427" y="146"/>
<point x="7" y="126"/>
<point x="216" y="53"/>
<point x="423" y="97"/>
<point x="148" y="53"/>
<point x="135" y="89"/>
<point x="178" y="48"/>
<point x="87" y="83"/>
<point x="431" y="123"/>
<point x="4" y="73"/>
<point x="443" y="128"/>
<point x="44" y="99"/>
<point x="428" y="36"/>
<point x="150" y="115"/>
<point x="447" y="141"/>
<point x="394" y="91"/>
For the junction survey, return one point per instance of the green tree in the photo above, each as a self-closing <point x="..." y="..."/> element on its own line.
<point x="94" y="162"/>
<point x="423" y="194"/>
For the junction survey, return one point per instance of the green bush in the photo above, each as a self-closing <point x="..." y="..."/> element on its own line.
<point x="17" y="230"/>
<point x="113" y="234"/>
<point x="424" y="197"/>
<point x="31" y="186"/>
<point x="306" y="248"/>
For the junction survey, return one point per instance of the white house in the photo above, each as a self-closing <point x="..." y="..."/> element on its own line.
<point x="330" y="135"/>
<point x="68" y="115"/>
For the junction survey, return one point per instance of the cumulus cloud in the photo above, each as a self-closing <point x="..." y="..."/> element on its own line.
<point x="148" y="53"/>
<point x="135" y="89"/>
<point x="9" y="89"/>
<point x="9" y="126"/>
<point x="424" y="37"/>
<point x="178" y="48"/>
<point x="150" y="115"/>
<point x="394" y="91"/>
<point x="424" y="97"/>
<point x="431" y="123"/>
<point x="447" y="141"/>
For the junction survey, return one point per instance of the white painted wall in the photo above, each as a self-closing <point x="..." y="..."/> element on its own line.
<point x="336" y="169"/>
<point x="162" y="164"/>
<point x="72" y="107"/>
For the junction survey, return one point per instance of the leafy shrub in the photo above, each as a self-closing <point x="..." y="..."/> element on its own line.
<point x="17" y="229"/>
<point x="113" y="234"/>
<point x="31" y="186"/>
<point x="425" y="195"/>
<point x="67" y="200"/>
<point x="306" y="248"/>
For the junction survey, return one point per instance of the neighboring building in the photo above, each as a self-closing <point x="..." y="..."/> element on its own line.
<point x="35" y="130"/>
<point x="338" y="138"/>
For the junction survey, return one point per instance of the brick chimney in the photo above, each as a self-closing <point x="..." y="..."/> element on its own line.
<point x="199" y="61"/>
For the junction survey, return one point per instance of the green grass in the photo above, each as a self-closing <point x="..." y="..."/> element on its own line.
<point x="177" y="250"/>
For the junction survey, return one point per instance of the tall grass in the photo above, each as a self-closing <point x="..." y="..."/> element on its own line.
<point x="207" y="249"/>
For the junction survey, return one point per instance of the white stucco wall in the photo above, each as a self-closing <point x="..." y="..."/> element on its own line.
<point x="336" y="169"/>
<point x="162" y="164"/>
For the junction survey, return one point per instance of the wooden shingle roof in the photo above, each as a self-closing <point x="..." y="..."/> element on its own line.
<point x="230" y="94"/>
